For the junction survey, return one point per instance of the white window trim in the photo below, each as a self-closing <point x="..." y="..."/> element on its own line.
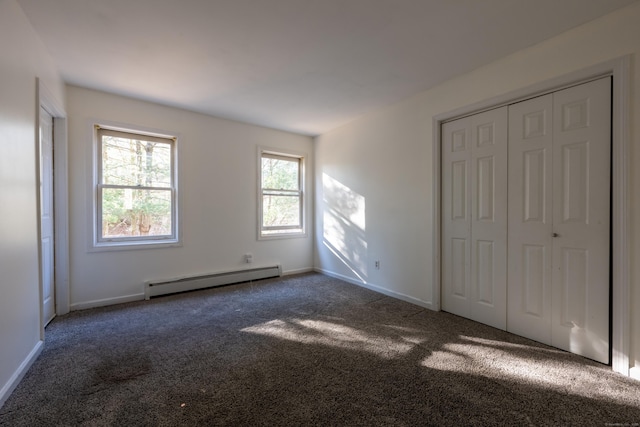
<point x="96" y="244"/>
<point x="303" y="209"/>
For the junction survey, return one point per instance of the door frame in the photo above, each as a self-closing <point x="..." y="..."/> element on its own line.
<point x="619" y="69"/>
<point x="45" y="186"/>
<point x="46" y="100"/>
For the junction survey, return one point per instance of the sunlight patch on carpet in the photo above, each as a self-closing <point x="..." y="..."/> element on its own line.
<point x="520" y="363"/>
<point x="334" y="335"/>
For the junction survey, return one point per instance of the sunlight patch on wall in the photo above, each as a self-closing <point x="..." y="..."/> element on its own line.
<point x="344" y="225"/>
<point x="344" y="202"/>
<point x="332" y="334"/>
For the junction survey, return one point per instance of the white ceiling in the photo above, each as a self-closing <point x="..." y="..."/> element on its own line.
<point x="299" y="65"/>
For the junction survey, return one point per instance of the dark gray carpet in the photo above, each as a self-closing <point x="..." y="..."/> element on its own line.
<point x="304" y="350"/>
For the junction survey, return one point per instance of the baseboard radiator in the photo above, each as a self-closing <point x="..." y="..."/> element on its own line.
<point x="154" y="288"/>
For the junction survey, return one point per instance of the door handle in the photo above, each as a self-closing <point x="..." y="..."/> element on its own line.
<point x="555" y="235"/>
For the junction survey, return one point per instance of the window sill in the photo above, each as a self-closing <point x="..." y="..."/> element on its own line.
<point x="130" y="246"/>
<point x="282" y="236"/>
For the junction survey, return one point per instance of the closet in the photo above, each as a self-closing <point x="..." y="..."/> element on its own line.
<point x="526" y="218"/>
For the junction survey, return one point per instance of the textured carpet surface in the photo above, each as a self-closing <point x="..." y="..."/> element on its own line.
<point x="305" y="350"/>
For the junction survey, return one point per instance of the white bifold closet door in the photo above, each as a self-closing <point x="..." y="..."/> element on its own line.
<point x="474" y="202"/>
<point x="559" y="216"/>
<point x="525" y="218"/>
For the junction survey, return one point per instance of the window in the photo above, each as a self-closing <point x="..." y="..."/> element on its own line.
<point x="136" y="188"/>
<point x="281" y="196"/>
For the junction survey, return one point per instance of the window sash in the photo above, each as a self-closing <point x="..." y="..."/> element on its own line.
<point x="138" y="137"/>
<point x="134" y="135"/>
<point x="135" y="187"/>
<point x="282" y="230"/>
<point x="274" y="192"/>
<point x="296" y="160"/>
<point x="298" y="226"/>
<point x="100" y="187"/>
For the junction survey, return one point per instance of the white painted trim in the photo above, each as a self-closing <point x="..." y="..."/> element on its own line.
<point x="60" y="194"/>
<point x="635" y="373"/>
<point x="304" y="170"/>
<point x="61" y="212"/>
<point x="621" y="314"/>
<point x="39" y="212"/>
<point x="297" y="271"/>
<point x="48" y="101"/>
<point x="92" y="172"/>
<point x="619" y="69"/>
<point x="378" y="289"/>
<point x="17" y="376"/>
<point x="106" y="301"/>
<point x="437" y="207"/>
<point x="339" y="276"/>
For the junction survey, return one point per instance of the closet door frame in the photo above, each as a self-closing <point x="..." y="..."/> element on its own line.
<point x="619" y="69"/>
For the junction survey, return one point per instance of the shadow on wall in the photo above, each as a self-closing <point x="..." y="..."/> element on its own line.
<point x="344" y="228"/>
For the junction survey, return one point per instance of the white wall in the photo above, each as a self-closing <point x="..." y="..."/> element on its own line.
<point x="218" y="177"/>
<point x="22" y="59"/>
<point x="384" y="161"/>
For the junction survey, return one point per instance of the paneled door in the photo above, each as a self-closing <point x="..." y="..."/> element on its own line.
<point x="474" y="217"/>
<point x="581" y="219"/>
<point x="559" y="216"/>
<point x="46" y="215"/>
<point x="530" y="218"/>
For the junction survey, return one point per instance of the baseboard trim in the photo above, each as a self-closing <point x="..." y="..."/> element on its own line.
<point x="635" y="373"/>
<point x="17" y="376"/>
<point x="416" y="301"/>
<point x="298" y="271"/>
<point x="106" y="301"/>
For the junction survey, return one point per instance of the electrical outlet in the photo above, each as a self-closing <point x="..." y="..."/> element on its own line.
<point x="377" y="264"/>
<point x="248" y="258"/>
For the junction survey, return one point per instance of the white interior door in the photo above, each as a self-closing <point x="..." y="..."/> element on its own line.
<point x="46" y="215"/>
<point x="488" y="302"/>
<point x="456" y="216"/>
<point x="581" y="218"/>
<point x="533" y="256"/>
<point x="559" y="207"/>
<point x="475" y="217"/>
<point x="530" y="218"/>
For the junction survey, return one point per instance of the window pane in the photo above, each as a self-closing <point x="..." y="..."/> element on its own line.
<point x="280" y="211"/>
<point x="280" y="174"/>
<point x="128" y="212"/>
<point x="135" y="162"/>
